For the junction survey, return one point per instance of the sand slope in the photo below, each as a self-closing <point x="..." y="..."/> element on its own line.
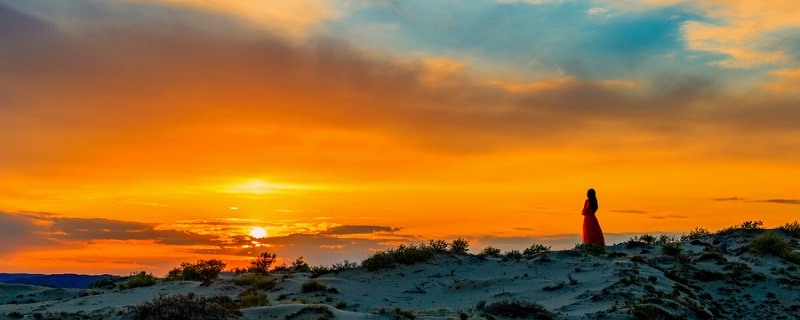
<point x="735" y="284"/>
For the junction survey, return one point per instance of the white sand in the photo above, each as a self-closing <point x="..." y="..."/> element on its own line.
<point x="747" y="286"/>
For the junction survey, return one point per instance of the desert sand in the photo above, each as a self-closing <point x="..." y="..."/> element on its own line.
<point x="632" y="279"/>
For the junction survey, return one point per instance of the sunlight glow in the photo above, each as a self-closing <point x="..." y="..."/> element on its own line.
<point x="258" y="232"/>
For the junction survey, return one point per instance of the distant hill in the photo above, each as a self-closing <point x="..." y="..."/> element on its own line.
<point x="67" y="280"/>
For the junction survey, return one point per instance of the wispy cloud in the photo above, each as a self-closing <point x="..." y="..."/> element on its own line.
<point x="728" y="199"/>
<point x="780" y="201"/>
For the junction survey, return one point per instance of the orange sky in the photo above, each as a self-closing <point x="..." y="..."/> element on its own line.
<point x="162" y="131"/>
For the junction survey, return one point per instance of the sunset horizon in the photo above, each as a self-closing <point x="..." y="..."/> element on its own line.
<point x="141" y="134"/>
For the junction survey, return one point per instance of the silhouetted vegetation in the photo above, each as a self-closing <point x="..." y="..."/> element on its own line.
<point x="186" y="307"/>
<point x="742" y="227"/>
<point x="253" y="298"/>
<point x="792" y="228"/>
<point x="262" y="263"/>
<point x="322" y="312"/>
<point x="489" y="252"/>
<point x="536" y="249"/>
<point x="671" y="249"/>
<point x="136" y="280"/>
<point x="403" y="254"/>
<point x="106" y="283"/>
<point x="695" y="234"/>
<point x="256" y="280"/>
<point x="590" y="249"/>
<point x="204" y="271"/>
<point x="459" y="246"/>
<point x="312" y="286"/>
<point x="300" y="265"/>
<point x="518" y="310"/>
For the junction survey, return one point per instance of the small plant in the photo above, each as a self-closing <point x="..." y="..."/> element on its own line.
<point x="105" y="283"/>
<point x="262" y="263"/>
<point x="341" y="305"/>
<point x="253" y="298"/>
<point x="480" y="305"/>
<point x="15" y="314"/>
<point x="518" y="310"/>
<point x="712" y="255"/>
<point x="695" y="234"/>
<point x="645" y="238"/>
<point x="438" y="246"/>
<point x="312" y="286"/>
<point x="536" y="249"/>
<point x="186" y="307"/>
<point x="318" y="271"/>
<point x="512" y="255"/>
<point x="671" y="249"/>
<point x="404" y="314"/>
<point x="744" y="226"/>
<point x="590" y="249"/>
<point x="203" y="270"/>
<point x="459" y="246"/>
<point x="404" y="254"/>
<point x="792" y="228"/>
<point x="771" y="243"/>
<point x="489" y="252"/>
<point x="554" y="287"/>
<point x="651" y="311"/>
<point x="256" y="280"/>
<point x="318" y="310"/>
<point x="140" y="279"/>
<point x="300" y="265"/>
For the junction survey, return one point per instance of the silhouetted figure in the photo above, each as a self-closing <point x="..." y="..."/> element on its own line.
<point x="591" y="227"/>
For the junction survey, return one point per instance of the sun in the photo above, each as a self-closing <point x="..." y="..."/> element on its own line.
<point x="258" y="232"/>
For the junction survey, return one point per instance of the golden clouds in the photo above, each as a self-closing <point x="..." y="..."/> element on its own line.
<point x="785" y="81"/>
<point x="294" y="18"/>
<point x="744" y="30"/>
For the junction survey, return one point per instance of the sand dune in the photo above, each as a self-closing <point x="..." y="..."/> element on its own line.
<point x="630" y="279"/>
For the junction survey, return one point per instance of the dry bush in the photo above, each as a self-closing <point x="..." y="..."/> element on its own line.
<point x="186" y="307"/>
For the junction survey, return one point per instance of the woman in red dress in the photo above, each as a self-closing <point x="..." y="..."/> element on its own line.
<point x="591" y="227"/>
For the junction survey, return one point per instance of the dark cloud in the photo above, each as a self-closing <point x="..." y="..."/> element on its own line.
<point x="523" y="229"/>
<point x="631" y="211"/>
<point x="18" y="231"/>
<point x="668" y="216"/>
<point x="780" y="201"/>
<point x="352" y="229"/>
<point x="728" y="199"/>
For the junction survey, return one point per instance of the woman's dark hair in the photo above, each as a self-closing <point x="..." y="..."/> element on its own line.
<point x="592" y="200"/>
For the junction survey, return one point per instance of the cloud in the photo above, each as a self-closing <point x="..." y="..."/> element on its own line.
<point x="780" y="201"/>
<point x="631" y="211"/>
<point x="351" y="229"/>
<point x="728" y="199"/>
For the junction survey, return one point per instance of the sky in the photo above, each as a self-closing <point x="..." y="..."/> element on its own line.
<point x="137" y="134"/>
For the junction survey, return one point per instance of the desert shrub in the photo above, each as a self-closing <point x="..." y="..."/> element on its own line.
<point x="697" y="233"/>
<point x="318" y="310"/>
<point x="256" y="280"/>
<point x="344" y="265"/>
<point x="312" y="286"/>
<point x="262" y="263"/>
<point x="512" y="255"/>
<point x="318" y="271"/>
<point x="404" y="314"/>
<point x="253" y="298"/>
<point x="16" y="314"/>
<point x="744" y="226"/>
<point x="300" y="265"/>
<point x="590" y="249"/>
<point x="792" y="228"/>
<point x="404" y="254"/>
<point x="645" y="238"/>
<point x="341" y="305"/>
<point x="140" y="279"/>
<point x="771" y="243"/>
<point x="186" y="307"/>
<point x="653" y="312"/>
<point x="489" y="252"/>
<point x="459" y="246"/>
<point x="516" y="309"/>
<point x="203" y="270"/>
<point x="105" y="283"/>
<point x="438" y="246"/>
<point x="536" y="249"/>
<point x="671" y="249"/>
<point x="712" y="255"/>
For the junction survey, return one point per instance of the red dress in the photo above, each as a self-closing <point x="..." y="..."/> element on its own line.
<point x="591" y="227"/>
